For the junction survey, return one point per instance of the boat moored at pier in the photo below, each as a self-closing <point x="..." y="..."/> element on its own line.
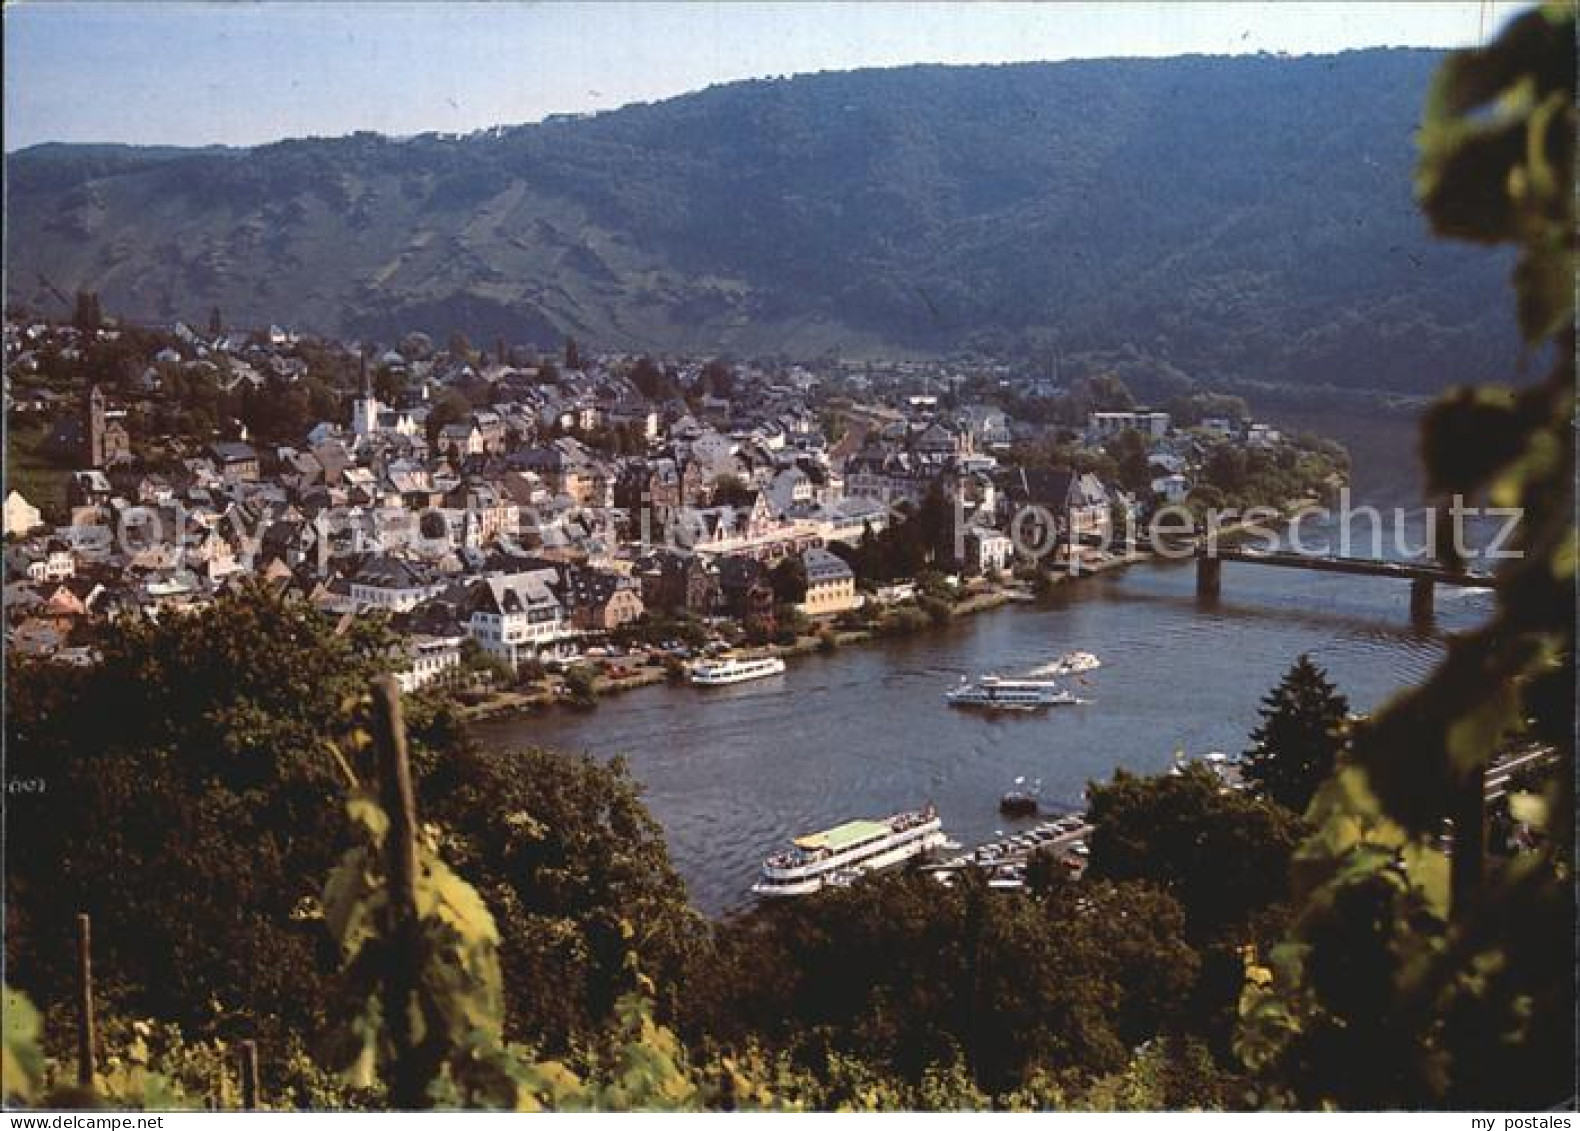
<point x="837" y="856"/>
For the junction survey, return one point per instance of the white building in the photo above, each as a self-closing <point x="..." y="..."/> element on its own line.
<point x="516" y="616"/>
<point x="988" y="550"/>
<point x="1102" y="425"/>
<point x="369" y="417"/>
<point x="848" y="520"/>
<point x="56" y="563"/>
<point x="428" y="658"/>
<point x="21" y="516"/>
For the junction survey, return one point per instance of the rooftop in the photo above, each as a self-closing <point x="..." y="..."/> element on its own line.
<point x="842" y="836"/>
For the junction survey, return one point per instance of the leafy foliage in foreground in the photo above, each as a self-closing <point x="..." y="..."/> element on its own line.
<point x="1223" y="854"/>
<point x="191" y="808"/>
<point x="560" y="959"/>
<point x="579" y="879"/>
<point x="1412" y="977"/>
<point x="910" y="977"/>
<point x="185" y="810"/>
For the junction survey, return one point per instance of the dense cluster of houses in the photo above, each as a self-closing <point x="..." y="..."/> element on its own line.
<point x="559" y="504"/>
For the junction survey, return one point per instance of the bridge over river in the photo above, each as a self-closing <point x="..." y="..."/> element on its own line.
<point x="1424" y="577"/>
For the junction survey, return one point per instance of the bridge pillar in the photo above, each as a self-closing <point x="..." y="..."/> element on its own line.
<point x="1209" y="576"/>
<point x="1421" y="599"/>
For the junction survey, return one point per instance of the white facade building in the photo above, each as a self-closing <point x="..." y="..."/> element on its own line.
<point x="1102" y="425"/>
<point x="428" y="658"/>
<point x="517" y="616"/>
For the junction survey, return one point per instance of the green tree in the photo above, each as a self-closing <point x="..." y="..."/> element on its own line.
<point x="1226" y="467"/>
<point x="451" y="408"/>
<point x="1129" y="453"/>
<point x="1224" y="855"/>
<point x="421" y="987"/>
<point x="186" y="812"/>
<point x="578" y="876"/>
<point x="277" y="412"/>
<point x="650" y="380"/>
<point x="193" y="784"/>
<point x="581" y="684"/>
<point x="1294" y="749"/>
<point x="1102" y="392"/>
<point x="910" y="979"/>
<point x="388" y="385"/>
<point x="730" y="490"/>
<point x="322" y="404"/>
<point x="789" y="581"/>
<point x="491" y="666"/>
<point x="718" y="378"/>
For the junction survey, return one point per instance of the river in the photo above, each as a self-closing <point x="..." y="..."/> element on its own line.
<point x="733" y="773"/>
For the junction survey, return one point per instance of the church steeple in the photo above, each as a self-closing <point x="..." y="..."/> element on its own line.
<point x="365" y="409"/>
<point x="93" y="427"/>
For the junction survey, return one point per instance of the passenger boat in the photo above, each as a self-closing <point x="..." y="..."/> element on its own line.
<point x="994" y="693"/>
<point x="718" y="673"/>
<point x="836" y="857"/>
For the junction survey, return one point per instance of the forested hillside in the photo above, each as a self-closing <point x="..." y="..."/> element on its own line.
<point x="1246" y="218"/>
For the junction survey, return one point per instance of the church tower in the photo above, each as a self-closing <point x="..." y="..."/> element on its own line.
<point x="365" y="409"/>
<point x="93" y="427"/>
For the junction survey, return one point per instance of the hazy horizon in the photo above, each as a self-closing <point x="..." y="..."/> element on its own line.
<point x="125" y="74"/>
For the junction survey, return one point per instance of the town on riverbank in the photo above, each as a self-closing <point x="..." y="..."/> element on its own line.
<point x="537" y="529"/>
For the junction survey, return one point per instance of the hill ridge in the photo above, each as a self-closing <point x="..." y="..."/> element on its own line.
<point x="1246" y="217"/>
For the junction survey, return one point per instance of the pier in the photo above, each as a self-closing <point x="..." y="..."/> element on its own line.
<point x="1004" y="859"/>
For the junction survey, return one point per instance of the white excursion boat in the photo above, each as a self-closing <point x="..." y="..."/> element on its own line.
<point x="994" y="693"/>
<point x="717" y="673"/>
<point x="837" y="856"/>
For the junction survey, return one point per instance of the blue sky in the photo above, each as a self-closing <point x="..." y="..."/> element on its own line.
<point x="242" y="73"/>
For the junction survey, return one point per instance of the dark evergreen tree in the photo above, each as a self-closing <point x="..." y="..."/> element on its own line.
<point x="1293" y="751"/>
<point x="573" y="354"/>
<point x="216" y="324"/>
